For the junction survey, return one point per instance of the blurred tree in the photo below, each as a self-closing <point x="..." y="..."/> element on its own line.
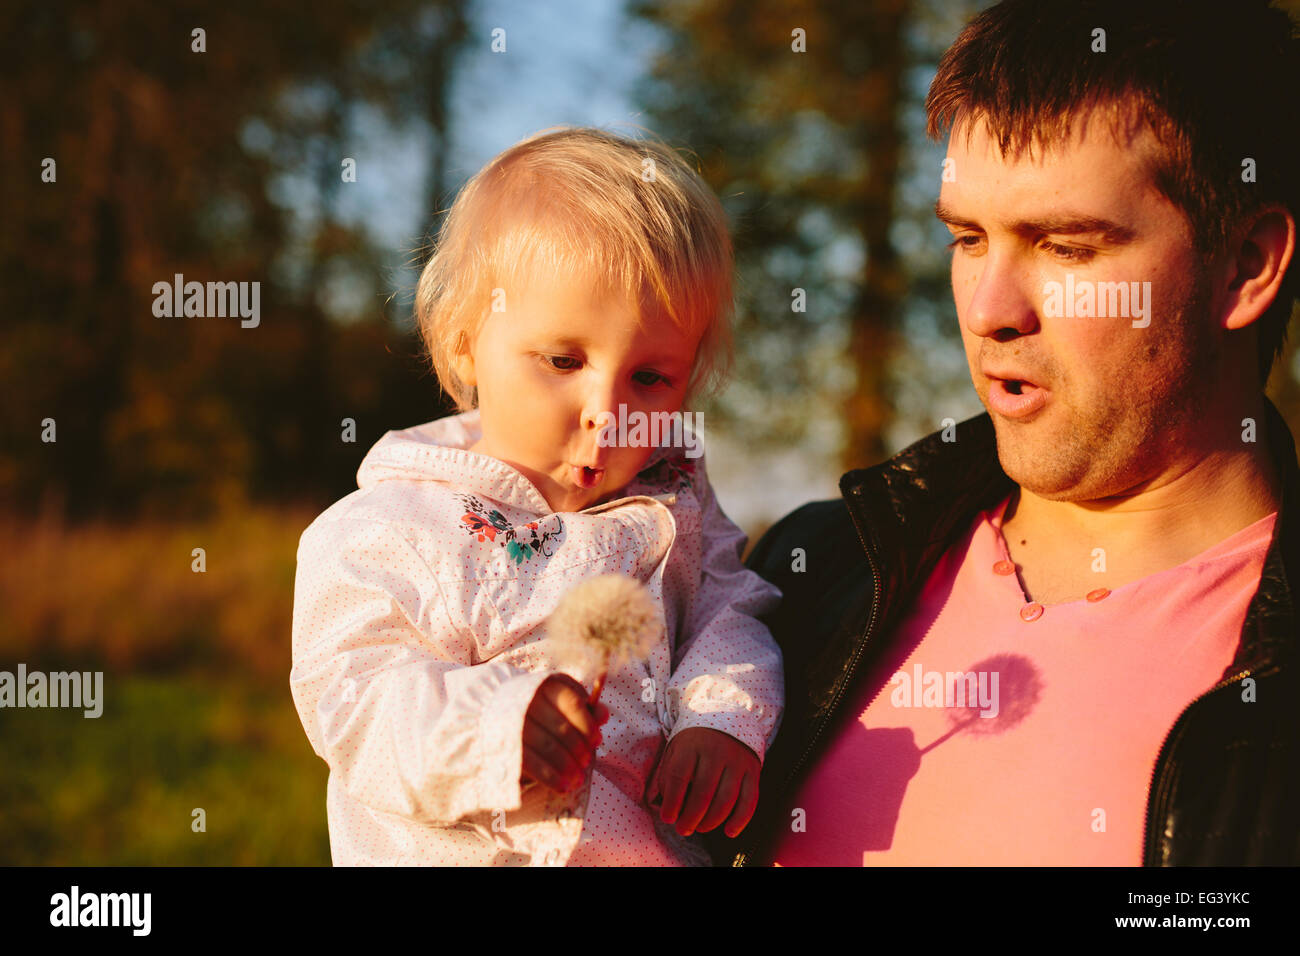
<point x="218" y="157"/>
<point x="796" y="110"/>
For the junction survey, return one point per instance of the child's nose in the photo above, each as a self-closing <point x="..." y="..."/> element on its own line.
<point x="600" y="400"/>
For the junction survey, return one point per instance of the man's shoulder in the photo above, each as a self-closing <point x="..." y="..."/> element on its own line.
<point x="809" y="553"/>
<point x="816" y="527"/>
<point x="947" y="474"/>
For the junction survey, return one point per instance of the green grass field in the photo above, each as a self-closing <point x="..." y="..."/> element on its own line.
<point x="197" y="709"/>
<point x="121" y="789"/>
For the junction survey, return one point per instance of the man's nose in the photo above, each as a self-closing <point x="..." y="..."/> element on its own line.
<point x="1003" y="300"/>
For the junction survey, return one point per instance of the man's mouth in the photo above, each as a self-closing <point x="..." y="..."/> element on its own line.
<point x="1016" y="397"/>
<point x="1017" y="386"/>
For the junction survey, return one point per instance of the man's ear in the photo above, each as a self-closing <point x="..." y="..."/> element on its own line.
<point x="1262" y="257"/>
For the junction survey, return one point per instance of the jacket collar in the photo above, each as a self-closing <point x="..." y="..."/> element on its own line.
<point x="440" y="451"/>
<point x="911" y="509"/>
<point x="1268" y="634"/>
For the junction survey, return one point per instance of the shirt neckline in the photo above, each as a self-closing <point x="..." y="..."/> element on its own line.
<point x="1229" y="547"/>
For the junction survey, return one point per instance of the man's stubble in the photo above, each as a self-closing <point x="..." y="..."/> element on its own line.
<point x="1116" y="440"/>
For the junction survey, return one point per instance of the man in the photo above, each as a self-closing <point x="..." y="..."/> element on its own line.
<point x="1062" y="632"/>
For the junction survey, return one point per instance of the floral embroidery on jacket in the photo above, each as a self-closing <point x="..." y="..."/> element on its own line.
<point x="521" y="543"/>
<point x="672" y="474"/>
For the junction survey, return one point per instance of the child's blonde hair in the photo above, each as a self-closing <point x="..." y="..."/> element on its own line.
<point x="631" y="213"/>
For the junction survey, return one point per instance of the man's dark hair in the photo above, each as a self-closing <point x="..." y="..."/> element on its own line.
<point x="1217" y="82"/>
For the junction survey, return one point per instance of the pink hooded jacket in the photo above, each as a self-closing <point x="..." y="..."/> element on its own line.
<point x="419" y="639"/>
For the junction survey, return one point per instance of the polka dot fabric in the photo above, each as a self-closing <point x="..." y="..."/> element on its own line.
<point x="420" y="636"/>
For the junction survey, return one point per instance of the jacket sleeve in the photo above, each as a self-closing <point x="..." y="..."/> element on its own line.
<point x="727" y="671"/>
<point x="385" y="686"/>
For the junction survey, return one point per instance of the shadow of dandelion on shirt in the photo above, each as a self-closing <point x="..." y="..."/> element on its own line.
<point x="1016" y="687"/>
<point x="885" y="759"/>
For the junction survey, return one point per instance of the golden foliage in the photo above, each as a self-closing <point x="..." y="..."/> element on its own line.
<point x="125" y="597"/>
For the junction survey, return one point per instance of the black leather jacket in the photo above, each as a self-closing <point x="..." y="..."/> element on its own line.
<point x="1226" y="786"/>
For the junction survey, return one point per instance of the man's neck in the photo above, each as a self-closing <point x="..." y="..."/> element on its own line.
<point x="1065" y="549"/>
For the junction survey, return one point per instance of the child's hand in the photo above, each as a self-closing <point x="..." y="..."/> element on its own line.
<point x="704" y="778"/>
<point x="561" y="733"/>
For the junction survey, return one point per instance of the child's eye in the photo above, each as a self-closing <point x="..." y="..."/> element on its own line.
<point x="650" y="379"/>
<point x="562" y="363"/>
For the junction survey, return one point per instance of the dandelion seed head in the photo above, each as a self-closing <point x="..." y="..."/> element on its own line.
<point x="606" y="620"/>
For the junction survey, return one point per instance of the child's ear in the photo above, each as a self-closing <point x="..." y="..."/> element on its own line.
<point x="463" y="362"/>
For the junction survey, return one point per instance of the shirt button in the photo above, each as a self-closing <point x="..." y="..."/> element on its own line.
<point x="1004" y="567"/>
<point x="1098" y="595"/>
<point x="1031" y="612"/>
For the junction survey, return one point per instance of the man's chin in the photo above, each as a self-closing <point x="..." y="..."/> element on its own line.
<point x="1036" y="460"/>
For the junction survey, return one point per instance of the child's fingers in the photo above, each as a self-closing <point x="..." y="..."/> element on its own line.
<point x="569" y="698"/>
<point x="674" y="778"/>
<point x="724" y="798"/>
<point x="746" y="804"/>
<point x="545" y="760"/>
<point x="534" y="769"/>
<point x="544" y="715"/>
<point x="704" y="784"/>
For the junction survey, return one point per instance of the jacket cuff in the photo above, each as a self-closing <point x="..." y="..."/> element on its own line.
<point x="501" y="741"/>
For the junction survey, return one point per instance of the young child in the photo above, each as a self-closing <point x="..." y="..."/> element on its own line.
<point x="581" y="286"/>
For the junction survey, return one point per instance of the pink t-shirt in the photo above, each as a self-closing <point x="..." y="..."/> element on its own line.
<point x="997" y="732"/>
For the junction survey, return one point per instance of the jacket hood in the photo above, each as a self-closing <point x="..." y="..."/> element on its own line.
<point x="420" y="453"/>
<point x="438" y="451"/>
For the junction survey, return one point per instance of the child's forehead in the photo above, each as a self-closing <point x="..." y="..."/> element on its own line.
<point x="559" y="270"/>
<point x="581" y="309"/>
<point x="568" y="287"/>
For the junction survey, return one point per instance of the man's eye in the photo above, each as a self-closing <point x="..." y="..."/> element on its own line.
<point x="969" y="243"/>
<point x="562" y="363"/>
<point x="1067" y="253"/>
